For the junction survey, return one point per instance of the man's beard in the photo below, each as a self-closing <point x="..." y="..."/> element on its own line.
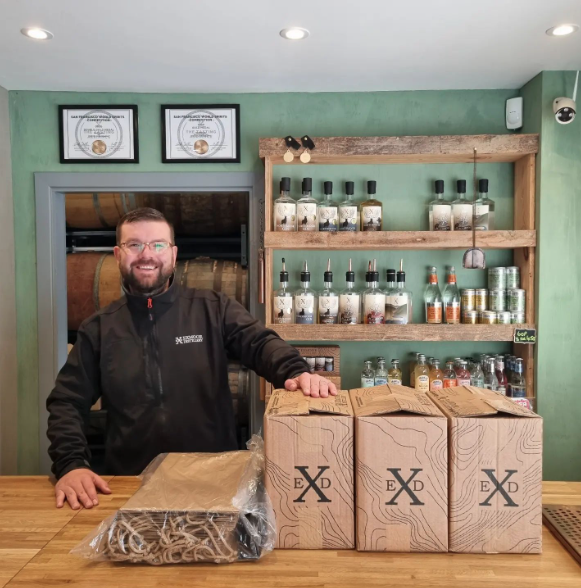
<point x="152" y="286"/>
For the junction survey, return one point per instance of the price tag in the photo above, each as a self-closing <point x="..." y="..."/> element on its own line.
<point x="526" y="336"/>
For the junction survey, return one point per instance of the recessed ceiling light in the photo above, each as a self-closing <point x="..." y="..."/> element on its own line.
<point x="294" y="33"/>
<point x="36" y="33"/>
<point x="562" y="30"/>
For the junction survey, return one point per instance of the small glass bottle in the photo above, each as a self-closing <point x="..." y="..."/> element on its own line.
<point x="373" y="298"/>
<point x="462" y="209"/>
<point x="451" y="299"/>
<point x="413" y="364"/>
<point x="500" y="373"/>
<point x="371" y="210"/>
<point x="450" y="379"/>
<point x="490" y="380"/>
<point x="440" y="214"/>
<point x="436" y="376"/>
<point x="328" y="210"/>
<point x="285" y="208"/>
<point x="282" y="308"/>
<point x="422" y="375"/>
<point x="509" y="371"/>
<point x="518" y="385"/>
<point x="477" y="376"/>
<point x="367" y="376"/>
<point x="462" y="374"/>
<point x="381" y="372"/>
<point x="483" y="209"/>
<point x="305" y="300"/>
<point x="394" y="375"/>
<point x="390" y="298"/>
<point x="433" y="299"/>
<point x="350" y="301"/>
<point x="328" y="300"/>
<point x="348" y="210"/>
<point x="307" y="208"/>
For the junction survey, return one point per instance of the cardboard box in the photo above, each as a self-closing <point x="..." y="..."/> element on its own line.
<point x="495" y="472"/>
<point x="401" y="441"/>
<point x="309" y="470"/>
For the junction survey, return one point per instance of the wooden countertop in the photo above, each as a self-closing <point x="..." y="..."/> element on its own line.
<point x="36" y="538"/>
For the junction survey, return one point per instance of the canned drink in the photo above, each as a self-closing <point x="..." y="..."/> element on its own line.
<point x="329" y="362"/>
<point x="512" y="278"/>
<point x="468" y="299"/>
<point x="517" y="318"/>
<point x="497" y="300"/>
<point x="311" y="362"/>
<point x="487" y="317"/>
<point x="481" y="299"/>
<point x="319" y="364"/>
<point x="470" y="317"/>
<point x="503" y="318"/>
<point x="497" y="278"/>
<point x="516" y="300"/>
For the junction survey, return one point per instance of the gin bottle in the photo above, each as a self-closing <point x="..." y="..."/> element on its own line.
<point x="381" y="372"/>
<point x="483" y="209"/>
<point x="285" y="208"/>
<point x="282" y="308"/>
<point x="348" y="210"/>
<point x="373" y="298"/>
<point x="371" y="210"/>
<point x="305" y="300"/>
<point x="328" y="300"/>
<point x="440" y="210"/>
<point x="328" y="210"/>
<point x="462" y="209"/>
<point x="350" y="301"/>
<point x="307" y="208"/>
<point x="367" y="376"/>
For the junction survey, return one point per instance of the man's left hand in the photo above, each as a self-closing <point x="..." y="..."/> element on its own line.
<point x="312" y="385"/>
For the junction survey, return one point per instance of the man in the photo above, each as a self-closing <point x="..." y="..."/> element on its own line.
<point x="158" y="356"/>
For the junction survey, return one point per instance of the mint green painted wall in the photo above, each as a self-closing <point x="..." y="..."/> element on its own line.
<point x="34" y="135"/>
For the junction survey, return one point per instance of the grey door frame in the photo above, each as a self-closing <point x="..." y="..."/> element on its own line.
<point x="51" y="266"/>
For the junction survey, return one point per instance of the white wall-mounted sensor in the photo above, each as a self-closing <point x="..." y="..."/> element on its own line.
<point x="514" y="113"/>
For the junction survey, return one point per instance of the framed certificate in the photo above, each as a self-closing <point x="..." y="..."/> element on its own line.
<point x="98" y="134"/>
<point x="200" y="133"/>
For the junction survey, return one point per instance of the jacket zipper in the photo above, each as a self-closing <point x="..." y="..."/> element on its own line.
<point x="155" y="350"/>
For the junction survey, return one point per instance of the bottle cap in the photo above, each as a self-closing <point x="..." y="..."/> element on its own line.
<point x="305" y="274"/>
<point x="461" y="186"/>
<point x="283" y="273"/>
<point x="400" y="277"/>
<point x="328" y="187"/>
<point x="307" y="184"/>
<point x="285" y="184"/>
<point x="390" y="275"/>
<point x="350" y="188"/>
<point x="483" y="186"/>
<point x="439" y="186"/>
<point x="371" y="186"/>
<point x="350" y="277"/>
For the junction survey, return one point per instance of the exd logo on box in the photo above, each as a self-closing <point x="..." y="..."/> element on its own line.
<point x="412" y="486"/>
<point x="316" y="482"/>
<point x="493" y="485"/>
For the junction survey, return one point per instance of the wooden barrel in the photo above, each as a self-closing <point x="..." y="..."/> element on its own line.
<point x="93" y="281"/>
<point x="99" y="211"/>
<point x="239" y="382"/>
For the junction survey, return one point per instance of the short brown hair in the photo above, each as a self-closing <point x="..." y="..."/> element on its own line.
<point x="143" y="214"/>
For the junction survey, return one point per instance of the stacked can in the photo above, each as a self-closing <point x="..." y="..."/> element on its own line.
<point x="320" y="364"/>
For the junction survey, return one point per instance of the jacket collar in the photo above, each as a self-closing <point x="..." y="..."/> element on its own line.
<point x="158" y="302"/>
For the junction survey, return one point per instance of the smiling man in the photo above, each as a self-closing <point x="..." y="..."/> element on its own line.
<point x="158" y="356"/>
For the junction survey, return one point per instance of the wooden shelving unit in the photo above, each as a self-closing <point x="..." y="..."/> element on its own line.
<point x="520" y="150"/>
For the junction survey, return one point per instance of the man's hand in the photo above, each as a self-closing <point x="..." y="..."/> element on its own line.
<point x="79" y="487"/>
<point x="312" y="385"/>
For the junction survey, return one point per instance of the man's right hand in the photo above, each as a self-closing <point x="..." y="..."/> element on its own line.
<point x="79" y="487"/>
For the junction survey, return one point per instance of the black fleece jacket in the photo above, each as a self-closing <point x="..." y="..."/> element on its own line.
<point x="161" y="366"/>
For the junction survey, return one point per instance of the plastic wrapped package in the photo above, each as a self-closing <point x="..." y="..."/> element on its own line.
<point x="191" y="507"/>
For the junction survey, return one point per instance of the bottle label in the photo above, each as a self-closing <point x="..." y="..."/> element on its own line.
<point x="463" y="381"/>
<point x="396" y="309"/>
<point x="453" y="313"/>
<point x="307" y="216"/>
<point x="436" y="385"/>
<point x="394" y="381"/>
<point x="434" y="313"/>
<point x="441" y="217"/>
<point x="367" y="382"/>
<point x="328" y="310"/>
<point x="450" y="383"/>
<point x="481" y="218"/>
<point x="305" y="309"/>
<point x="283" y="310"/>
<point x="422" y="383"/>
<point x="374" y="306"/>
<point x="462" y="214"/>
<point x="371" y="218"/>
<point x="348" y="218"/>
<point x="327" y="218"/>
<point x="349" y="309"/>
<point x="285" y="216"/>
<point x="380" y="381"/>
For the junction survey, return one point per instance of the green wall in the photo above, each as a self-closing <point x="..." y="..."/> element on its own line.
<point x="404" y="190"/>
<point x="559" y="269"/>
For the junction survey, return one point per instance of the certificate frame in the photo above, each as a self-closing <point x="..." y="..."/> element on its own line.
<point x="231" y="134"/>
<point x="66" y="147"/>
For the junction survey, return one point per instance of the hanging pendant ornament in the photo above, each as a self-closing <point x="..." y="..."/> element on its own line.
<point x="309" y="146"/>
<point x="474" y="258"/>
<point x="291" y="143"/>
<point x="288" y="156"/>
<point x="305" y="156"/>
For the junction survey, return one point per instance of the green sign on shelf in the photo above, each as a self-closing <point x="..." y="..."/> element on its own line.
<point x="528" y="336"/>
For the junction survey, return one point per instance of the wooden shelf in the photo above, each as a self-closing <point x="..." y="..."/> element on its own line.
<point x="399" y="240"/>
<point x="415" y="332"/>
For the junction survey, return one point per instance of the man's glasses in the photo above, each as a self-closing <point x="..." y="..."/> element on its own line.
<point x="135" y="247"/>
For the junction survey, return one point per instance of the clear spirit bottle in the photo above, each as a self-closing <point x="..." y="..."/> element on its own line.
<point x="451" y="299"/>
<point x="348" y="210"/>
<point x="367" y="376"/>
<point x="483" y="209"/>
<point x="394" y="375"/>
<point x="305" y="300"/>
<point x="371" y="210"/>
<point x="285" y="208"/>
<point x="350" y="301"/>
<point x="462" y="209"/>
<point x="433" y="299"/>
<point x="477" y="376"/>
<point x="328" y="210"/>
<point x="381" y="372"/>
<point x="307" y="208"/>
<point x="328" y="300"/>
<point x="373" y="298"/>
<point x="404" y="298"/>
<point x="282" y="308"/>
<point x="440" y="214"/>
<point x="490" y="379"/>
<point x="518" y="385"/>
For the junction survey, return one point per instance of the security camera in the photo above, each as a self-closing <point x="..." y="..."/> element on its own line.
<point x="565" y="108"/>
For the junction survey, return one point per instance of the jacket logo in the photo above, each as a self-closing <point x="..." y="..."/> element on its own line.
<point x="511" y="487"/>
<point x="410" y="486"/>
<point x="312" y="483"/>
<point x="189" y="339"/>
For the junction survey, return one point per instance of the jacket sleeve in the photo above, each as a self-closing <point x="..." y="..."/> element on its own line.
<point x="76" y="389"/>
<point x="257" y="347"/>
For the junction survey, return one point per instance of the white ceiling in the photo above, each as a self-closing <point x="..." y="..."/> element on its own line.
<point x="234" y="45"/>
